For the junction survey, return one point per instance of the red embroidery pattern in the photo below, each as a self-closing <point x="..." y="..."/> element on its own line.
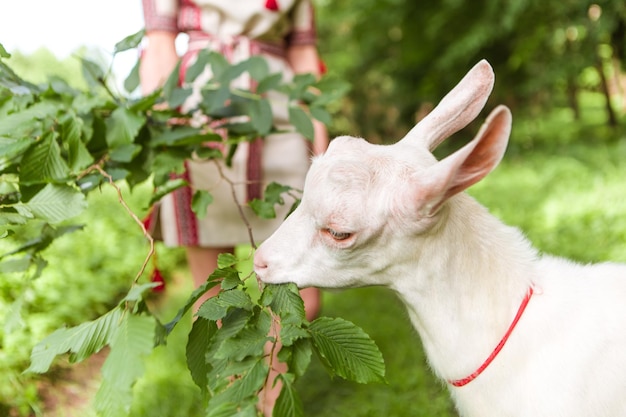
<point x="271" y="5"/>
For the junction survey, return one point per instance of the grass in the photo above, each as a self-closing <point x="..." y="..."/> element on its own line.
<point x="568" y="198"/>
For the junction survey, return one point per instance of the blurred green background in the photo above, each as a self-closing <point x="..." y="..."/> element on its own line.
<point x="558" y="66"/>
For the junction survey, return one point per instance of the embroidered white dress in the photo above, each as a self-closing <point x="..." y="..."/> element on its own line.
<point x="237" y="29"/>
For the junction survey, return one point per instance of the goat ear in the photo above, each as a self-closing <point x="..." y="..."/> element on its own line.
<point x="456" y="110"/>
<point x="468" y="165"/>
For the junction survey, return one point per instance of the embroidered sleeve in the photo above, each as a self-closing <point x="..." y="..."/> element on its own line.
<point x="303" y="25"/>
<point x="161" y="15"/>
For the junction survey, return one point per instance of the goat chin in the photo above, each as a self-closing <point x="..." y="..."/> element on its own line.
<point x="395" y="216"/>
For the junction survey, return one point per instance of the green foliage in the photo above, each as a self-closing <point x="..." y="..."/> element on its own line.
<point x="62" y="143"/>
<point x="405" y="56"/>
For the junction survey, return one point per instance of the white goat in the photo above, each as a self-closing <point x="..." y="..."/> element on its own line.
<point x="395" y="216"/>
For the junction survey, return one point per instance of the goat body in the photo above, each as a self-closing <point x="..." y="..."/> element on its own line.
<point x="395" y="216"/>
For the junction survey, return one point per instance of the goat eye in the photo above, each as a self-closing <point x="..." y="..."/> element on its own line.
<point x="338" y="235"/>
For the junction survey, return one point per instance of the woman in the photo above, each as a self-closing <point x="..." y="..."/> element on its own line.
<point x="282" y="32"/>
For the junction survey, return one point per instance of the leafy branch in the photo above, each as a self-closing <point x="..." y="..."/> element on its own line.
<point x="57" y="144"/>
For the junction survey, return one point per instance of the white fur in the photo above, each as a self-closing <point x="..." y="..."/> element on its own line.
<point x="461" y="273"/>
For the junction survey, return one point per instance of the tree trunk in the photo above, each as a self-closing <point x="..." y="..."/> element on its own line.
<point x="607" y="94"/>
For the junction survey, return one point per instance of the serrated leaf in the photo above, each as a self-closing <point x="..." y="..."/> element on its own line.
<point x="195" y="296"/>
<point x="297" y="356"/>
<point x="12" y="149"/>
<point x="13" y="124"/>
<point x="43" y="162"/>
<point x="261" y="117"/>
<point x="225" y="260"/>
<point x="211" y="309"/>
<point x="200" y="201"/>
<point x="133" y="340"/>
<point x="262" y="209"/>
<point x="288" y="403"/>
<point x="171" y="185"/>
<point x="243" y="388"/>
<point x="55" y="203"/>
<point x="199" y="339"/>
<point x="299" y="119"/>
<point x="82" y="341"/>
<point x="347" y="351"/>
<point x="124" y="153"/>
<point x="123" y="126"/>
<point x="78" y="155"/>
<point x="250" y="341"/>
<point x="284" y="300"/>
<point x="290" y="333"/>
<point x="226" y="409"/>
<point x="167" y="163"/>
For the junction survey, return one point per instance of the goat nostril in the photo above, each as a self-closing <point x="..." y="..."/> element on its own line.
<point x="259" y="264"/>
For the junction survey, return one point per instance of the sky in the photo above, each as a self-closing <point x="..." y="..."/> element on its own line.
<point x="63" y="26"/>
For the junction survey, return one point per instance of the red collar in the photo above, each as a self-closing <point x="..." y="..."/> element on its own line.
<point x="520" y="311"/>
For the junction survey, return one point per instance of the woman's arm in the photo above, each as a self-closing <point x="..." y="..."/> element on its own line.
<point x="158" y="60"/>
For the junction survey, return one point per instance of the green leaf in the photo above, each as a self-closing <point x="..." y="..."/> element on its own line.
<point x="225" y="260"/>
<point x="178" y="96"/>
<point x="78" y="155"/>
<point x="297" y="356"/>
<point x="250" y="341"/>
<point x="200" y="201"/>
<point x="3" y="52"/>
<point x="202" y="60"/>
<point x="81" y="341"/>
<point x="212" y="309"/>
<point x="25" y="120"/>
<point x="260" y="113"/>
<point x="130" y="42"/>
<point x="215" y="99"/>
<point x="42" y="162"/>
<point x="167" y="188"/>
<point x="301" y="122"/>
<point x="123" y="126"/>
<point x="92" y="72"/>
<point x="263" y="209"/>
<point x="167" y="163"/>
<point x="288" y="403"/>
<point x="195" y="296"/>
<point x="55" y="203"/>
<point x="226" y="409"/>
<point x="132" y="80"/>
<point x="172" y="81"/>
<point x="347" y="351"/>
<point x="133" y="340"/>
<point x="12" y="149"/>
<point x="184" y="136"/>
<point x="290" y="333"/>
<point x="243" y="388"/>
<point x="199" y="339"/>
<point x="271" y="82"/>
<point x="125" y="153"/>
<point x="284" y="300"/>
<point x="320" y="114"/>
